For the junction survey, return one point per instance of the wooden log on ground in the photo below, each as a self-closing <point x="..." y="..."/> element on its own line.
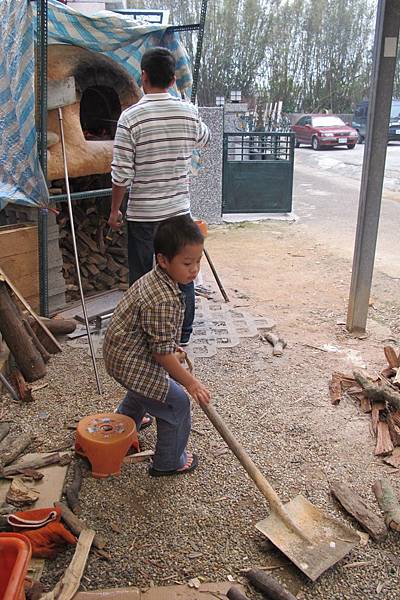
<point x="35" y="463"/>
<point x="394" y="430"/>
<point x="22" y="388"/>
<point x="277" y="342"/>
<point x="11" y="449"/>
<point x="378" y="392"/>
<point x="57" y="326"/>
<point x="68" y="585"/>
<point x="76" y="525"/>
<point x="335" y="388"/>
<point x="359" y="510"/>
<point x="37" y="343"/>
<point x="4" y="430"/>
<point x="19" y="342"/>
<point x="235" y="594"/>
<point x="52" y="345"/>
<point x="391" y="357"/>
<point x="388" y="502"/>
<point x="384" y="444"/>
<point x="268" y="585"/>
<point x="394" y="459"/>
<point x="73" y="489"/>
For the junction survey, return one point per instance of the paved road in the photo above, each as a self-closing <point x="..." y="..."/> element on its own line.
<point x="326" y="194"/>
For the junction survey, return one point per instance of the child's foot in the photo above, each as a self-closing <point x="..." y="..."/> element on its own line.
<point x="191" y="464"/>
<point x="146" y="422"/>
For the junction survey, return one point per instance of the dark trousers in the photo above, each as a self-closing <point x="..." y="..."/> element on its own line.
<point x="140" y="262"/>
<point x="173" y="424"/>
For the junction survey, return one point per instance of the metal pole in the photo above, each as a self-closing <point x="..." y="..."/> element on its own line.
<point x="217" y="279"/>
<point x="78" y="270"/>
<point x="199" y="49"/>
<point x="380" y="99"/>
<point x="41" y="111"/>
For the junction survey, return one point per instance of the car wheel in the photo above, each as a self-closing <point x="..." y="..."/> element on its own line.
<point x="315" y="143"/>
<point x="351" y="146"/>
<point x="297" y="143"/>
<point x="360" y="138"/>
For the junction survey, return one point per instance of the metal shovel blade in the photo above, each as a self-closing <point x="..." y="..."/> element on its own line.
<point x="329" y="540"/>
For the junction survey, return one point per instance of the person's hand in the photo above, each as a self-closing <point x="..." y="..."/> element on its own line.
<point x="199" y="392"/>
<point x="115" y="220"/>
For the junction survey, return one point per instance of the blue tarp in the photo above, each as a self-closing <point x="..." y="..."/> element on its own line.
<point x="21" y="179"/>
<point x="121" y="39"/>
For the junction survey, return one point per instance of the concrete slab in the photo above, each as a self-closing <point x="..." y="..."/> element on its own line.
<point x="243" y="217"/>
<point x="50" y="487"/>
<point x="101" y="303"/>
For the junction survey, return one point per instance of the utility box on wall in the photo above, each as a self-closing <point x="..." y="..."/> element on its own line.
<point x="19" y="259"/>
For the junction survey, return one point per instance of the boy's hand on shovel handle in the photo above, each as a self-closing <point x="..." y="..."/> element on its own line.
<point x="199" y="392"/>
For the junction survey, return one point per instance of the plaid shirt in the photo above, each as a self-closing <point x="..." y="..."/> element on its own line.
<point x="147" y="320"/>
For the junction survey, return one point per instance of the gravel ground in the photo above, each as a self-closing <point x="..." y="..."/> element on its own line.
<point x="202" y="525"/>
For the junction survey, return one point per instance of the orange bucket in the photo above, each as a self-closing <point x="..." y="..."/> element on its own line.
<point x="15" y="554"/>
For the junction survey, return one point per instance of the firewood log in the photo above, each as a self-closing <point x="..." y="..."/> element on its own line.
<point x="378" y="392"/>
<point x="268" y="585"/>
<point x="388" y="502"/>
<point x="28" y="358"/>
<point x="11" y="449"/>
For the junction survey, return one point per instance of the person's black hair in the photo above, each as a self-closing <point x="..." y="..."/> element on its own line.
<point x="160" y="65"/>
<point x="175" y="233"/>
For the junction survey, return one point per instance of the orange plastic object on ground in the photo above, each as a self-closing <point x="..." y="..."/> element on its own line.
<point x="105" y="439"/>
<point x="202" y="225"/>
<point x="15" y="554"/>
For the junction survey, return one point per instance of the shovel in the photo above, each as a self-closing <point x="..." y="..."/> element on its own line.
<point x="312" y="540"/>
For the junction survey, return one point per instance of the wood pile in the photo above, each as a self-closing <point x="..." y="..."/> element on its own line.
<point x="380" y="397"/>
<point x="103" y="262"/>
<point x="29" y="338"/>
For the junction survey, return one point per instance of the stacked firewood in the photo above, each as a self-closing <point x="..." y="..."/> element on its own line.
<point x="102" y="258"/>
<point x="380" y="397"/>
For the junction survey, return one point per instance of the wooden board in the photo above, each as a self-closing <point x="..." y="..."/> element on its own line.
<point x="19" y="259"/>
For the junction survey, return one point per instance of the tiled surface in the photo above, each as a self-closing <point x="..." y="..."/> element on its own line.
<point x="217" y="325"/>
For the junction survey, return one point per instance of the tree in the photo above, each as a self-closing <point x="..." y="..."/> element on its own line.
<point x="311" y="54"/>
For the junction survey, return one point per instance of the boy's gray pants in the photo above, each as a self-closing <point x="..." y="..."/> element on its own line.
<point x="173" y="423"/>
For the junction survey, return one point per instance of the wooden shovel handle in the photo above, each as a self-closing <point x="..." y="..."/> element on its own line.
<point x="254" y="472"/>
<point x="262" y="484"/>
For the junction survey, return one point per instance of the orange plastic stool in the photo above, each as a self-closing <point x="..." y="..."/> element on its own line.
<point x="15" y="554"/>
<point x="104" y="439"/>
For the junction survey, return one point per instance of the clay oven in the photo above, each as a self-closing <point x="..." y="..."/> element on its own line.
<point x="104" y="89"/>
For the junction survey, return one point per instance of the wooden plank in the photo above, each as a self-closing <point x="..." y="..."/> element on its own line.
<point x="384" y="444"/>
<point x="56" y="346"/>
<point x="359" y="509"/>
<point x="391" y="357"/>
<point x="18" y="239"/>
<point x="68" y="585"/>
<point x="19" y="259"/>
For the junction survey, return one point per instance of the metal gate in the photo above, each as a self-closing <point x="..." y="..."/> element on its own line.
<point x="258" y="172"/>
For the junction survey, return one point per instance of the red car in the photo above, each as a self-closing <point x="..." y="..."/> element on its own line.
<point x="321" y="131"/>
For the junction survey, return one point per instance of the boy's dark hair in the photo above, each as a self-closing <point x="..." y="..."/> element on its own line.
<point x="159" y="64"/>
<point x="175" y="233"/>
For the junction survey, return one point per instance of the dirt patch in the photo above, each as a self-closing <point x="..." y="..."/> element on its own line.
<point x="279" y="408"/>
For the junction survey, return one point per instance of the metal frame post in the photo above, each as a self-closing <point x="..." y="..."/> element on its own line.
<point x="199" y="49"/>
<point x="41" y="111"/>
<point x="380" y="100"/>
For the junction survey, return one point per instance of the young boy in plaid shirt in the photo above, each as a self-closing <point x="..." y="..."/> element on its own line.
<point x="141" y="340"/>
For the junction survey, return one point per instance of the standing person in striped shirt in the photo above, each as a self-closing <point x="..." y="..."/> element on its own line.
<point x="152" y="155"/>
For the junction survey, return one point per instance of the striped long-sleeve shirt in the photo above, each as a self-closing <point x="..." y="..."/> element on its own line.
<point x="152" y="153"/>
